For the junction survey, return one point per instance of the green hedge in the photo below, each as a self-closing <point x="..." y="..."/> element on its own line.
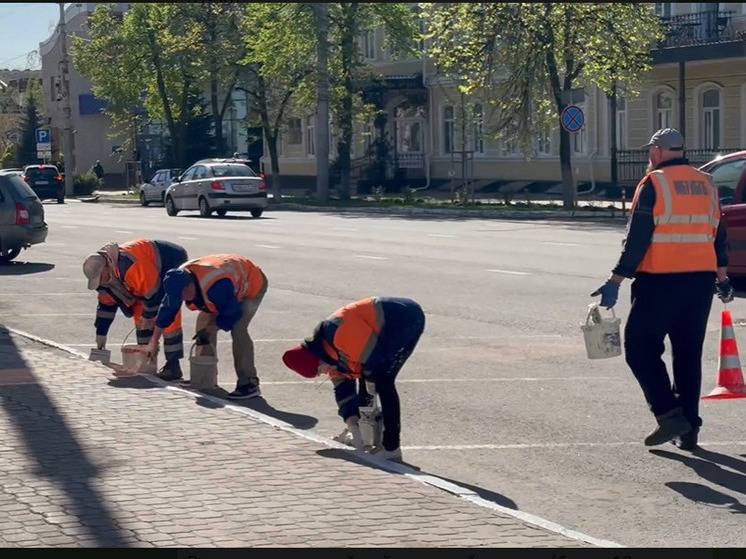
<point x="86" y="184"/>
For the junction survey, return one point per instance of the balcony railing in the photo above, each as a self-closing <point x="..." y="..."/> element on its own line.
<point x="702" y="28"/>
<point x="631" y="164"/>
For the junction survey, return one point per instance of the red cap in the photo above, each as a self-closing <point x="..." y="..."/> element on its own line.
<point x="302" y="361"/>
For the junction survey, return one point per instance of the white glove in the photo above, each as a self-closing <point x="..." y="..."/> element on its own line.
<point x="101" y="342"/>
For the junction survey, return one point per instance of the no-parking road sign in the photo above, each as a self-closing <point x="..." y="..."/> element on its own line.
<point x="573" y="118"/>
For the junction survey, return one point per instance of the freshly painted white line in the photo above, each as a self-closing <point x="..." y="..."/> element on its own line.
<point x="123" y="232"/>
<point x="267" y="246"/>
<point x="59" y="293"/>
<point x="441" y="236"/>
<point x="346" y="229"/>
<point x="510" y="272"/>
<point x="69" y="226"/>
<point x="450" y="487"/>
<point x="520" y="446"/>
<point x="261" y="340"/>
<point x="188" y="238"/>
<point x="25" y="315"/>
<point x="561" y="244"/>
<point x="370" y="257"/>
<point x="451" y="380"/>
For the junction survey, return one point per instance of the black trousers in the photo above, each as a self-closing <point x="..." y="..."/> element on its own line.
<point x="677" y="306"/>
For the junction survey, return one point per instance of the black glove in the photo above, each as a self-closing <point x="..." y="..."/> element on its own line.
<point x="724" y="290"/>
<point x="202" y="337"/>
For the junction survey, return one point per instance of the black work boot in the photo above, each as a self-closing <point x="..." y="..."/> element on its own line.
<point x="670" y="425"/>
<point x="687" y="441"/>
<point x="170" y="371"/>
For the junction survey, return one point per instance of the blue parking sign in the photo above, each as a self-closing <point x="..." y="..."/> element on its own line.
<point x="42" y="136"/>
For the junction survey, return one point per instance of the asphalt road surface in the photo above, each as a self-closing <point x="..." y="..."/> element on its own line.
<point x="499" y="395"/>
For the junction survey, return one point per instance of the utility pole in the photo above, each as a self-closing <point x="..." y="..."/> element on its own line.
<point x="67" y="141"/>
<point x="321" y="11"/>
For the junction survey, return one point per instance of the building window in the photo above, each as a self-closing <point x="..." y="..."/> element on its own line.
<point x="369" y="44"/>
<point x="663" y="9"/>
<point x="295" y="135"/>
<point x="448" y="129"/>
<point x="621" y="123"/>
<point x="310" y="136"/>
<point x="421" y="29"/>
<point x="711" y="118"/>
<point x="544" y="141"/>
<point x="663" y="110"/>
<point x="478" y="128"/>
<point x="368" y="133"/>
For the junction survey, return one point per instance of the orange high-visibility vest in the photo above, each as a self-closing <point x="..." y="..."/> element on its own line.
<point x="358" y="326"/>
<point x="686" y="216"/>
<point x="247" y="278"/>
<point x="143" y="278"/>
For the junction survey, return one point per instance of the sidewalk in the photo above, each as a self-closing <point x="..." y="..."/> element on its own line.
<point x="88" y="459"/>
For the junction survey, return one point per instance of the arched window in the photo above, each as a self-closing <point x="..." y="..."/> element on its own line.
<point x="663" y="110"/>
<point x="711" y="113"/>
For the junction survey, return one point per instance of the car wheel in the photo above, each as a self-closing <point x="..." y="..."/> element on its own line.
<point x="204" y="208"/>
<point x="257" y="212"/>
<point x="6" y="255"/>
<point x="221" y="213"/>
<point x="163" y="198"/>
<point x="60" y="200"/>
<point x="143" y="201"/>
<point x="171" y="207"/>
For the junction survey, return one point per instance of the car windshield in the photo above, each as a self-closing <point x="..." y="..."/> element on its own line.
<point x="16" y="184"/>
<point x="232" y="170"/>
<point x="39" y="172"/>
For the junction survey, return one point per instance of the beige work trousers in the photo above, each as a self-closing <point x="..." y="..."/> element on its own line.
<point x="243" y="345"/>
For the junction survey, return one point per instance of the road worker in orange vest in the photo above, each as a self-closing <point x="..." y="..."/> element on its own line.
<point x="367" y="341"/>
<point x="676" y="251"/>
<point x="129" y="277"/>
<point x="227" y="289"/>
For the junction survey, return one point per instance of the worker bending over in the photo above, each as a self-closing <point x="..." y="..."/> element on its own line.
<point x="130" y="277"/>
<point x="227" y="289"/>
<point x="371" y="340"/>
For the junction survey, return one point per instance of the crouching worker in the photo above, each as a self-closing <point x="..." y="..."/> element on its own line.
<point x="227" y="289"/>
<point x="369" y="340"/>
<point x="129" y="277"/>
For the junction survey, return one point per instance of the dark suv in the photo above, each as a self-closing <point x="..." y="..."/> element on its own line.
<point x="45" y="181"/>
<point x="21" y="216"/>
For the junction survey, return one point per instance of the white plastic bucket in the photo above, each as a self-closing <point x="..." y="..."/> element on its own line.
<point x="603" y="339"/>
<point x="100" y="355"/>
<point x="203" y="370"/>
<point x="135" y="358"/>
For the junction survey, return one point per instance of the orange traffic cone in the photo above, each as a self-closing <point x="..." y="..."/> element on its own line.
<point x="730" y="377"/>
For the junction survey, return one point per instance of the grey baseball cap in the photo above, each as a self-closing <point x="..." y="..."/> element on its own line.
<point x="667" y="138"/>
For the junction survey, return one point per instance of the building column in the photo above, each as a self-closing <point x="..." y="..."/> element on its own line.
<point x="682" y="97"/>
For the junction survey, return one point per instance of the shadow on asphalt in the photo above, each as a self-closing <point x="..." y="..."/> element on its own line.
<point x="25" y="268"/>
<point x="709" y="466"/>
<point x="230" y="217"/>
<point x="707" y="496"/>
<point x="497" y="498"/>
<point x="51" y="445"/>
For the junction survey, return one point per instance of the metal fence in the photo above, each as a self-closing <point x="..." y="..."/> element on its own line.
<point x="702" y="28"/>
<point x="631" y="164"/>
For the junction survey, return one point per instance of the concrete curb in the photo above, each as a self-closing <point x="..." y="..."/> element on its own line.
<point x="549" y="215"/>
<point x="401" y="469"/>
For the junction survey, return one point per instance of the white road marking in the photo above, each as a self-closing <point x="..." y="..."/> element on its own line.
<point x="451" y="380"/>
<point x="69" y="227"/>
<point x="265" y="340"/>
<point x="61" y="293"/>
<point x="188" y="238"/>
<point x="370" y="257"/>
<point x="509" y="272"/>
<point x="562" y="244"/>
<point x="441" y="236"/>
<point x="123" y="232"/>
<point x="267" y="246"/>
<point x="520" y="446"/>
<point x="346" y="229"/>
<point x="26" y="315"/>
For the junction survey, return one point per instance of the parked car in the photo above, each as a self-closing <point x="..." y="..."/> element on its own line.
<point x="21" y="216"/>
<point x="729" y="176"/>
<point x="155" y="189"/>
<point x="46" y="181"/>
<point x="217" y="186"/>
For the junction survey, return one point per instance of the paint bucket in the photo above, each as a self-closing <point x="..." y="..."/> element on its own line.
<point x="135" y="358"/>
<point x="100" y="355"/>
<point x="602" y="337"/>
<point x="203" y="370"/>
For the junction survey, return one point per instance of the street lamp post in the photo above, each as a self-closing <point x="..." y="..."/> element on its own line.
<point x="68" y="139"/>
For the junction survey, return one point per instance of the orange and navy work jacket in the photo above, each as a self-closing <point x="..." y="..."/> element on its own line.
<point x="141" y="266"/>
<point x="686" y="216"/>
<point x="348" y="337"/>
<point x="247" y="278"/>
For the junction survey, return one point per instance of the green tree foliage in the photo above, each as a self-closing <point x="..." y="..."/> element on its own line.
<point x="30" y="122"/>
<point x="526" y="58"/>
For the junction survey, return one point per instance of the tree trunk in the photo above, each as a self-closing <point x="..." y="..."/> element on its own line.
<point x="569" y="191"/>
<point x="271" y="136"/>
<point x="321" y="12"/>
<point x="345" y="118"/>
<point x="217" y="115"/>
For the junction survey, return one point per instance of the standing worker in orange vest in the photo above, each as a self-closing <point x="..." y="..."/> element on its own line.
<point x="367" y="341"/>
<point x="130" y="277"/>
<point x="227" y="289"/>
<point x="676" y="249"/>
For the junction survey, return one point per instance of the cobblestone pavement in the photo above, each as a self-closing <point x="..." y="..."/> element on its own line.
<point x="88" y="459"/>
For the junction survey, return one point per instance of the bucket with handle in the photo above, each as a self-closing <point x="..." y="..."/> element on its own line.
<point x="100" y="355"/>
<point x="135" y="358"/>
<point x="203" y="369"/>
<point x="602" y="336"/>
<point x="371" y="420"/>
